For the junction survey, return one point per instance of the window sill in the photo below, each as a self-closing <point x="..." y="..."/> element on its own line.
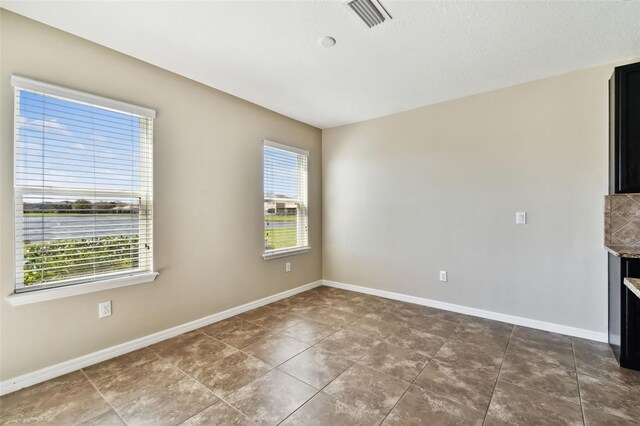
<point x="35" y="296"/>
<point x="286" y="252"/>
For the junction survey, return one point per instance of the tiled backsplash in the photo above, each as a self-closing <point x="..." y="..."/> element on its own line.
<point x="622" y="220"/>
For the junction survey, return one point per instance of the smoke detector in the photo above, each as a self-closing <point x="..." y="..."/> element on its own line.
<point x="371" y="12"/>
<point x="327" y="41"/>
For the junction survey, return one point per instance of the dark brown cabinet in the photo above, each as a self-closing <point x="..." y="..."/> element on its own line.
<point x="624" y="177"/>
<point x="624" y="129"/>
<point x="624" y="312"/>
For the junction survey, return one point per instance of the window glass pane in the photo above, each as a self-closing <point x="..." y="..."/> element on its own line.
<point x="285" y="188"/>
<point x="83" y="192"/>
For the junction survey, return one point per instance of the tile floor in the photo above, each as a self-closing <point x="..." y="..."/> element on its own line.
<point x="332" y="357"/>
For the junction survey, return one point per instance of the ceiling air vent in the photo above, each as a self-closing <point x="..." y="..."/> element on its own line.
<point x="371" y="12"/>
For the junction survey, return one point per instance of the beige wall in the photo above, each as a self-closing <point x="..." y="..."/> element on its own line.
<point x="437" y="188"/>
<point x="208" y="154"/>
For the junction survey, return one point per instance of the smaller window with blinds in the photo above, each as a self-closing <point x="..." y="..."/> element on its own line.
<point x="83" y="187"/>
<point x="286" y="228"/>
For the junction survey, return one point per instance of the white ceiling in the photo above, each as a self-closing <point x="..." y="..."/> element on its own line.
<point x="432" y="51"/>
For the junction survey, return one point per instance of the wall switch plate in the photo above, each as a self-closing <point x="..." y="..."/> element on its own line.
<point x="521" y="218"/>
<point x="287" y="267"/>
<point x="443" y="275"/>
<point x="104" y="309"/>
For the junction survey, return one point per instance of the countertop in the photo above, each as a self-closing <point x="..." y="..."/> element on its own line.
<point x="633" y="284"/>
<point x="624" y="251"/>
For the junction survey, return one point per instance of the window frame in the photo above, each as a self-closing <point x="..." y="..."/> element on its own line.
<point x="304" y="203"/>
<point x="87" y="284"/>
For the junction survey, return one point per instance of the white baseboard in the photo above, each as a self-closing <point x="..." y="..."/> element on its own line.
<point x="512" y="319"/>
<point x="65" y="367"/>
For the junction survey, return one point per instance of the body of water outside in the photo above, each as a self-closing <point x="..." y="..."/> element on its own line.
<point x="49" y="227"/>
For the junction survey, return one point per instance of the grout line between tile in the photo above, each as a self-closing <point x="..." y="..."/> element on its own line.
<point x="430" y="391"/>
<point x="322" y="388"/>
<point x="124" y="369"/>
<point x="305" y="402"/>
<point x="421" y="371"/>
<point x="414" y="379"/>
<point x="493" y="392"/>
<point x="207" y="388"/>
<point x="546" y="364"/>
<point x="339" y="328"/>
<point x="221" y="401"/>
<point x="103" y="397"/>
<point x="404" y="393"/>
<point x="575" y="366"/>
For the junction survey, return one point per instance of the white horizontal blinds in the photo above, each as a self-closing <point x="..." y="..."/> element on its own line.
<point x="285" y="197"/>
<point x="83" y="191"/>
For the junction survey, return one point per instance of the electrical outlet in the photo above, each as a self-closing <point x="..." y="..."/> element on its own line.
<point x="521" y="218"/>
<point x="443" y="275"/>
<point x="287" y="267"/>
<point x="104" y="309"/>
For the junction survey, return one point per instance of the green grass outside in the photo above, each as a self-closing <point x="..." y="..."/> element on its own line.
<point x="281" y="218"/>
<point x="278" y="238"/>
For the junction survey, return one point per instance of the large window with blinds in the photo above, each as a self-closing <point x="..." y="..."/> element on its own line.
<point x="83" y="187"/>
<point x="286" y="229"/>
